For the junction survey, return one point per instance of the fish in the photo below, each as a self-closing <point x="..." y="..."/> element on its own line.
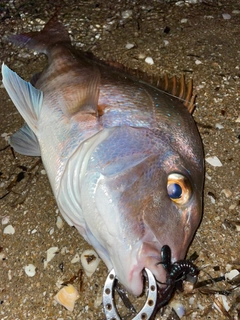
<point x="123" y="157"/>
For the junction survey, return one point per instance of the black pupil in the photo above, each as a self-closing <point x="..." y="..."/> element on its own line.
<point x="174" y="191"/>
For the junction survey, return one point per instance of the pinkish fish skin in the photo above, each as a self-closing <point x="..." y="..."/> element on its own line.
<point x="124" y="159"/>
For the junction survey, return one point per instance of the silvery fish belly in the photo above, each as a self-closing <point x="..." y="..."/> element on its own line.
<point x="124" y="159"/>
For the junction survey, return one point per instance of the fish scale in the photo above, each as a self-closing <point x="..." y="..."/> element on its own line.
<point x="124" y="158"/>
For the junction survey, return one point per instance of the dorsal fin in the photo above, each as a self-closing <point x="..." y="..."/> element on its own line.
<point x="173" y="86"/>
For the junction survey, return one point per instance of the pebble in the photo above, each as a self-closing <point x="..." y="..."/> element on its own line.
<point x="184" y="20"/>
<point x="214" y="161"/>
<point x="198" y="62"/>
<point x="9" y="229"/>
<point x="142" y="56"/>
<point x="178" y="308"/>
<point x="227" y="193"/>
<point x="129" y="46"/>
<point x="59" y="222"/>
<point x="226" y="16"/>
<point x="5" y="220"/>
<point x="30" y="270"/>
<point x="126" y="14"/>
<point x="149" y="60"/>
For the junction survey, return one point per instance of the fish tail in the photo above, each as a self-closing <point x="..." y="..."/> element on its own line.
<point x="53" y="32"/>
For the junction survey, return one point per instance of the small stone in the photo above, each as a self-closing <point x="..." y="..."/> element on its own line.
<point x="179" y="3"/>
<point x="59" y="222"/>
<point x="142" y="56"/>
<point x="226" y="16"/>
<point x="43" y="172"/>
<point x="178" y="308"/>
<point x="149" y="60"/>
<point x="129" y="46"/>
<point x="198" y="62"/>
<point x="5" y="220"/>
<point x="219" y="126"/>
<point x="227" y="193"/>
<point x="184" y="20"/>
<point x="126" y="14"/>
<point x="30" y="270"/>
<point x="9" y="229"/>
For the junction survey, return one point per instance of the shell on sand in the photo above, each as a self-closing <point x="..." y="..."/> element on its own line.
<point x="67" y="297"/>
<point x="89" y="261"/>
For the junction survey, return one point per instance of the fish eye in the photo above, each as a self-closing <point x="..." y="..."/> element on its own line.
<point x="178" y="188"/>
<point x="174" y="190"/>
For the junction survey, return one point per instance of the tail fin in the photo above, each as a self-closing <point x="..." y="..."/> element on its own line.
<point x="52" y="33"/>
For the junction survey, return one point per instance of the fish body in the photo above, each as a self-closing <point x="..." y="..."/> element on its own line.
<point x="124" y="159"/>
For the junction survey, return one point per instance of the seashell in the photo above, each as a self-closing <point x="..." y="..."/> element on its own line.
<point x="67" y="297"/>
<point x="178" y="308"/>
<point x="30" y="270"/>
<point x="90" y="261"/>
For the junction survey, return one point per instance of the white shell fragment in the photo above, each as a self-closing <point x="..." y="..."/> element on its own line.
<point x="214" y="161"/>
<point x="67" y="297"/>
<point x="59" y="222"/>
<point x="232" y="274"/>
<point x="221" y="301"/>
<point x="30" y="270"/>
<point x="51" y="252"/>
<point x="149" y="60"/>
<point x="219" y="126"/>
<point x="9" y="229"/>
<point x="76" y="258"/>
<point x="89" y="261"/>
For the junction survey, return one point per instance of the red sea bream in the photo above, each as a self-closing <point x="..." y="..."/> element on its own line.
<point x="124" y="159"/>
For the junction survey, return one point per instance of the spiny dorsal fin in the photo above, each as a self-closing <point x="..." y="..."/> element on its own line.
<point x="173" y="86"/>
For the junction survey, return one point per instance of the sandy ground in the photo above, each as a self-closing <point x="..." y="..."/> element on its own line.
<point x="203" y="44"/>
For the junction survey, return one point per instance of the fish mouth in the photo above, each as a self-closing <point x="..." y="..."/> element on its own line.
<point x="148" y="256"/>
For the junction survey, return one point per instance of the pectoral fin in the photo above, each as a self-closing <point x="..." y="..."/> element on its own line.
<point x="24" y="141"/>
<point x="27" y="99"/>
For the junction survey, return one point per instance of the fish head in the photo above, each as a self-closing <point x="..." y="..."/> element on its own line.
<point x="145" y="195"/>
